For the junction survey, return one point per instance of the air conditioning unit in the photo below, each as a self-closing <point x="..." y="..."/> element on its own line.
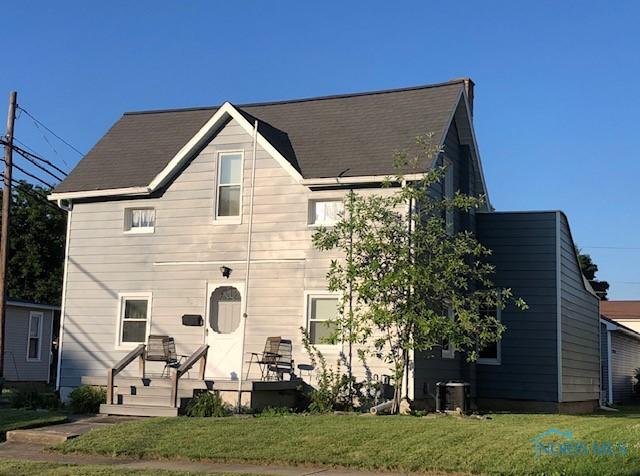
<point x="453" y="397"/>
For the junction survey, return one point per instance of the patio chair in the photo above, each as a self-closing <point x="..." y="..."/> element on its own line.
<point x="275" y="360"/>
<point x="163" y="349"/>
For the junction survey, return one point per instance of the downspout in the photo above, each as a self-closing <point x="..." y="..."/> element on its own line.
<point x="609" y="372"/>
<point x="245" y="301"/>
<point x="68" y="208"/>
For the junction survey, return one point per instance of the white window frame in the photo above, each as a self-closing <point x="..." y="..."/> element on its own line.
<point x="122" y="298"/>
<point x="308" y="296"/>
<point x="312" y="211"/>
<point x="230" y="219"/>
<point x="41" y="315"/>
<point x="128" y="227"/>
<point x="498" y="359"/>
<point x="449" y="352"/>
<point x="448" y="192"/>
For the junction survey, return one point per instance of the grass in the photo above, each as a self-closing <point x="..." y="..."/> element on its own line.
<point x="12" y="419"/>
<point x="498" y="445"/>
<point x="28" y="468"/>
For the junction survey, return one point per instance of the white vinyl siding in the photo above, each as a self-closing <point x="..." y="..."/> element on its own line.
<point x="325" y="212"/>
<point x="134" y="319"/>
<point x="229" y="186"/>
<point x="139" y="220"/>
<point x="34" y="339"/>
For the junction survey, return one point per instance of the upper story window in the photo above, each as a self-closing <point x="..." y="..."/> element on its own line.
<point x="325" y="212"/>
<point x="229" y="187"/>
<point x="139" y="220"/>
<point x="448" y="192"/>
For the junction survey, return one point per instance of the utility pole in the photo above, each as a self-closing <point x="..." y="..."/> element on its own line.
<point x="4" y="232"/>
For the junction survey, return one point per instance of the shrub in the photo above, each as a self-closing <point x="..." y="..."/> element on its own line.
<point x="332" y="387"/>
<point x="276" y="412"/>
<point x="33" y="398"/>
<point x="207" y="404"/>
<point x="87" y="399"/>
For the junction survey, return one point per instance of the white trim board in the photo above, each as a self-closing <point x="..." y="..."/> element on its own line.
<point x="226" y="111"/>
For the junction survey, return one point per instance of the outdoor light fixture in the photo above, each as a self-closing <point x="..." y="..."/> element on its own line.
<point x="226" y="271"/>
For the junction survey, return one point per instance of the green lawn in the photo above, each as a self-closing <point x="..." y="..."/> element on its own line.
<point x="28" y="468"/>
<point x="12" y="418"/>
<point x="499" y="445"/>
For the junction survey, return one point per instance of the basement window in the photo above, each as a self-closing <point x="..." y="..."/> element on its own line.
<point x="139" y="220"/>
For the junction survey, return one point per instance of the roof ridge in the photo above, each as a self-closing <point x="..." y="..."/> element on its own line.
<point x="309" y="99"/>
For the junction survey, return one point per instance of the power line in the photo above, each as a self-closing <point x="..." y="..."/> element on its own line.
<point x="33" y="194"/>
<point x="36" y="121"/>
<point x="29" y="155"/>
<point x="35" y="177"/>
<point x="36" y="164"/>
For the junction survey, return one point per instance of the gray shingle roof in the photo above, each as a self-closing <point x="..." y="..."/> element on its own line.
<point x="347" y="135"/>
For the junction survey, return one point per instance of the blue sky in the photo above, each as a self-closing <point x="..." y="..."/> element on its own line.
<point x="557" y="84"/>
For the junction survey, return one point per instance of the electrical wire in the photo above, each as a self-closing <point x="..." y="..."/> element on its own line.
<point x="29" y="174"/>
<point x="29" y="155"/>
<point x="36" y="121"/>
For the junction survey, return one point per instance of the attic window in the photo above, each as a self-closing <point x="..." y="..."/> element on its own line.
<point x="139" y="220"/>
<point x="229" y="193"/>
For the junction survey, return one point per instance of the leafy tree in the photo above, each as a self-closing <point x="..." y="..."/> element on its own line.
<point x="404" y="271"/>
<point x="589" y="269"/>
<point x="36" y="246"/>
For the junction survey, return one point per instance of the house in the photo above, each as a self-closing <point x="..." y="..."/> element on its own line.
<point x="620" y="357"/>
<point x="181" y="222"/>
<point x="626" y="313"/>
<point x="29" y="333"/>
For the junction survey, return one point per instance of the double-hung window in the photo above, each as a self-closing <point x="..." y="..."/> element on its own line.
<point x="229" y="186"/>
<point x="491" y="353"/>
<point x="448" y="351"/>
<point x="325" y="212"/>
<point x="134" y="318"/>
<point x="448" y="193"/>
<point x="34" y="340"/>
<point x="322" y="312"/>
<point x="139" y="220"/>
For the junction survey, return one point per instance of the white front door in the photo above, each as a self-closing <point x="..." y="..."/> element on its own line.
<point x="224" y="330"/>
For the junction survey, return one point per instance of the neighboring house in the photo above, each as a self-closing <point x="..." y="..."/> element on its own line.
<point x="620" y="356"/>
<point x="29" y="335"/>
<point x="164" y="210"/>
<point x="626" y="313"/>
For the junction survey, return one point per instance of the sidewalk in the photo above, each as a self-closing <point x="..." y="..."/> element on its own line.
<point x="32" y="452"/>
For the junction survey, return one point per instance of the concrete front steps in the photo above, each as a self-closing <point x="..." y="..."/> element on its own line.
<point x="150" y="396"/>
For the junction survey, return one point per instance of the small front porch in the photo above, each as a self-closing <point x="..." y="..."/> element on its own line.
<point x="169" y="392"/>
